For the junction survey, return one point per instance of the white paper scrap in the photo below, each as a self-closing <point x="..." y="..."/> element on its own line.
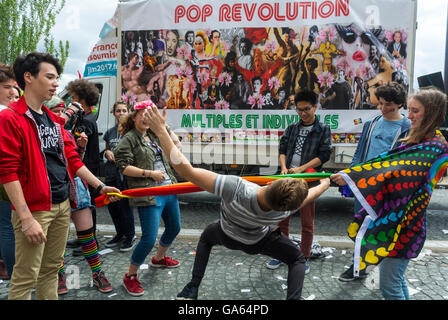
<point x="344" y="252"/>
<point x="112" y="295"/>
<point x="239" y="264"/>
<point x="445" y="231"/>
<point x="245" y="290"/>
<point x="284" y="286"/>
<point x="329" y="257"/>
<point x="413" y="291"/>
<point x="413" y="280"/>
<point x="144" y="266"/>
<point x="281" y="278"/>
<point x="311" y="297"/>
<point x="108" y="236"/>
<point x="105" y="251"/>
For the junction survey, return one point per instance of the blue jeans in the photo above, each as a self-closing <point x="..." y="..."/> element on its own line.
<point x="7" y="239"/>
<point x="166" y="207"/>
<point x="82" y="195"/>
<point x="393" y="284"/>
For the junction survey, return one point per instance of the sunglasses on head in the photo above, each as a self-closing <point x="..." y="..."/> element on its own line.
<point x="155" y="146"/>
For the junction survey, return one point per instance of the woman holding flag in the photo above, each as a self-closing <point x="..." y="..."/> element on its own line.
<point x="394" y="190"/>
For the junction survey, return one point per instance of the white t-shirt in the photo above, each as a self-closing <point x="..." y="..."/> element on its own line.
<point x="298" y="147"/>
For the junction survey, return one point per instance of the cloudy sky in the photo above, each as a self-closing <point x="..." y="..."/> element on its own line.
<point x="81" y="21"/>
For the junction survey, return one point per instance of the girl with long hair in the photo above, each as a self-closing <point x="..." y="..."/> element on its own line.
<point x="394" y="190"/>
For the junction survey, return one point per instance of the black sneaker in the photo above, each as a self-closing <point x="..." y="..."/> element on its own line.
<point x="189" y="292"/>
<point x="116" y="241"/>
<point x="348" y="275"/>
<point x="77" y="252"/>
<point x="127" y="244"/>
<point x="73" y="243"/>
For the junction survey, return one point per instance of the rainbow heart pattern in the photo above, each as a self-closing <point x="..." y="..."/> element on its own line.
<point x="395" y="190"/>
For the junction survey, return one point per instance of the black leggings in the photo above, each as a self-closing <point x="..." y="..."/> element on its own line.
<point x="274" y="245"/>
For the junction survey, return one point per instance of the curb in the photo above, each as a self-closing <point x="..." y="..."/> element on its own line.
<point x="340" y="242"/>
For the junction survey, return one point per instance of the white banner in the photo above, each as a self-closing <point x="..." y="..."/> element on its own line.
<point x="169" y="14"/>
<point x="232" y="126"/>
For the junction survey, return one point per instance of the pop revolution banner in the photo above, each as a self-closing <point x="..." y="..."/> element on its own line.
<point x="102" y="61"/>
<point x="236" y="65"/>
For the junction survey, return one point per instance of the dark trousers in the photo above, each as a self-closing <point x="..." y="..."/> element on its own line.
<point x="274" y="245"/>
<point x="121" y="212"/>
<point x="122" y="217"/>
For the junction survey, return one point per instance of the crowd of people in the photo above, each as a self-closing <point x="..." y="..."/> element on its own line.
<point x="49" y="167"/>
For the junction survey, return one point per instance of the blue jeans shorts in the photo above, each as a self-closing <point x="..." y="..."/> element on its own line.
<point x="82" y="195"/>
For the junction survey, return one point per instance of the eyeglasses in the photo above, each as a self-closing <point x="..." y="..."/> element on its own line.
<point x="306" y="109"/>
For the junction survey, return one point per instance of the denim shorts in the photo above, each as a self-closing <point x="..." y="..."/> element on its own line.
<point x="82" y="195"/>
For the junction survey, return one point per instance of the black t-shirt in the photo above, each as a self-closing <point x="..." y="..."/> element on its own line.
<point x="92" y="155"/>
<point x="56" y="169"/>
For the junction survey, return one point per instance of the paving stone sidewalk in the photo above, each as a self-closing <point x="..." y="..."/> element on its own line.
<point x="233" y="275"/>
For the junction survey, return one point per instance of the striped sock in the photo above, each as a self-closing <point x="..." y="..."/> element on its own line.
<point x="90" y="249"/>
<point x="62" y="267"/>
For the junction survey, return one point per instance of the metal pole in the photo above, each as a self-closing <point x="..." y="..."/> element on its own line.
<point x="445" y="125"/>
<point x="446" y="54"/>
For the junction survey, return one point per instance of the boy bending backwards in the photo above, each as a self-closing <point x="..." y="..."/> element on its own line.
<point x="248" y="214"/>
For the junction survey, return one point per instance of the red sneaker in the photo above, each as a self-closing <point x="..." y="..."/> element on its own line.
<point x="132" y="285"/>
<point x="101" y="282"/>
<point x="3" y="271"/>
<point x="62" y="287"/>
<point x="166" y="262"/>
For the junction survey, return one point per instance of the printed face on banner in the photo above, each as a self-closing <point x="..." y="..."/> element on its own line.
<point x="262" y="68"/>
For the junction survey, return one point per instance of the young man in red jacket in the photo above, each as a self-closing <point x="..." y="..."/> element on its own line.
<point x="38" y="161"/>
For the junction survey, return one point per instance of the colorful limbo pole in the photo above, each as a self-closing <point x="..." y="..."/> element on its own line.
<point x="188" y="187"/>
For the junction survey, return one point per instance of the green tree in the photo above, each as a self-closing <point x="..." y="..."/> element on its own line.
<point x="23" y="23"/>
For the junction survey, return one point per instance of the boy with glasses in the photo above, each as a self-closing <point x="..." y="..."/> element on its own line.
<point x="305" y="145"/>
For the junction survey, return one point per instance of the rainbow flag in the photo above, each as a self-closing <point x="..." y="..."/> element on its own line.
<point x="188" y="187"/>
<point x="394" y="191"/>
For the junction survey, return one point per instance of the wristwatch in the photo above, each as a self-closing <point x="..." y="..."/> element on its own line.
<point x="100" y="187"/>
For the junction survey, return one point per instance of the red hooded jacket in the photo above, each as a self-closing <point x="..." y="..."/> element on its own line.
<point x="22" y="157"/>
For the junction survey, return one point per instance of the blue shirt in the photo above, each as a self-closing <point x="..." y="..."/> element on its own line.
<point x="383" y="136"/>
